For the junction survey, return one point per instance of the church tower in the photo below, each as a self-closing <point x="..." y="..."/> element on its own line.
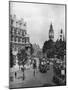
<point x="61" y="35"/>
<point x="51" y="32"/>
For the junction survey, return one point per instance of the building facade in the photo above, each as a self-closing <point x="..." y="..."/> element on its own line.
<point x="19" y="39"/>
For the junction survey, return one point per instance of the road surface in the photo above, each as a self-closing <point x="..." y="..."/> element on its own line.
<point x="40" y="79"/>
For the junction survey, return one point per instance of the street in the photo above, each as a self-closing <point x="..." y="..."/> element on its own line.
<point x="40" y="79"/>
<point x="37" y="45"/>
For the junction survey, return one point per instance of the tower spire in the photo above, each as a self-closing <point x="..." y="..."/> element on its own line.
<point x="61" y="35"/>
<point x="51" y="32"/>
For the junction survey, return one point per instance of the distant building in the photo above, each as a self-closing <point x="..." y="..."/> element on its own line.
<point x="36" y="48"/>
<point x="18" y="35"/>
<point x="52" y="48"/>
<point x="51" y="32"/>
<point x="49" y="45"/>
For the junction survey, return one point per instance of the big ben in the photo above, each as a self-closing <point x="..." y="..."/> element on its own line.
<point x="51" y="33"/>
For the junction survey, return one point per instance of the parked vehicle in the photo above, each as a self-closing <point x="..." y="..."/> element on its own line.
<point x="43" y="65"/>
<point x="59" y="68"/>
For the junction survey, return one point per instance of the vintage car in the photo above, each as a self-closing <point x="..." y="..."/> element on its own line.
<point x="59" y="69"/>
<point x="43" y="65"/>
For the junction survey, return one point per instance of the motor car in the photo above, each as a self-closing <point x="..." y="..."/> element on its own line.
<point x="44" y="65"/>
<point x="59" y="69"/>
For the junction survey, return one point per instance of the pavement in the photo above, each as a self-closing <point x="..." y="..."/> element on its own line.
<point x="40" y="79"/>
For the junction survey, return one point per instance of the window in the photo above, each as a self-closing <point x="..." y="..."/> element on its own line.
<point x="16" y="39"/>
<point x="23" y="40"/>
<point x="11" y="21"/>
<point x="12" y="38"/>
<point x="11" y="28"/>
<point x="13" y="31"/>
<point x="20" y="39"/>
<point x="27" y="40"/>
<point x="22" y="33"/>
<point x="18" y="32"/>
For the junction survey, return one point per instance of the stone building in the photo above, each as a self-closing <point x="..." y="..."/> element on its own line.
<point x="19" y="39"/>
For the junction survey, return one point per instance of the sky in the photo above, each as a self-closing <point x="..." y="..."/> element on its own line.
<point x="38" y="18"/>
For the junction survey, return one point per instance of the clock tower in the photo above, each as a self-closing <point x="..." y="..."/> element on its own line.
<point x="51" y="32"/>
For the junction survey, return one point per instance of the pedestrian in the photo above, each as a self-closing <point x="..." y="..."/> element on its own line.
<point x="15" y="74"/>
<point x="34" y="73"/>
<point x="34" y="67"/>
<point x="34" y="64"/>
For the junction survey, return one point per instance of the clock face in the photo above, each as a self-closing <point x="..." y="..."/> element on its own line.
<point x="51" y="34"/>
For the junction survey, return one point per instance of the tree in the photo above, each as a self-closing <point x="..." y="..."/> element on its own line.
<point x="60" y="46"/>
<point x="22" y="57"/>
<point x="48" y="48"/>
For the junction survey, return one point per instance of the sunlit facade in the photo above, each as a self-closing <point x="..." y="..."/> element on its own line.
<point x="18" y="35"/>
